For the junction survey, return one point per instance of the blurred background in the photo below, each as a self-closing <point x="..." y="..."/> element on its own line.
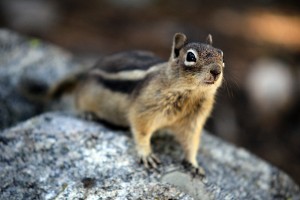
<point x="258" y="106"/>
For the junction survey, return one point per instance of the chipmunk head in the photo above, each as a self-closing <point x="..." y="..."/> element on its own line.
<point x="201" y="63"/>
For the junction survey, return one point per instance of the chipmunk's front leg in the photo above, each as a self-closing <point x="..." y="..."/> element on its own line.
<point x="142" y="133"/>
<point x="191" y="151"/>
<point x="190" y="137"/>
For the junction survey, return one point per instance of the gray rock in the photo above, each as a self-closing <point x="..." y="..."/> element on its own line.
<point x="58" y="155"/>
<point x="28" y="64"/>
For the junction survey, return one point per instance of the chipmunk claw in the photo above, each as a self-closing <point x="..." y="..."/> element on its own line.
<point x="198" y="171"/>
<point x="151" y="161"/>
<point x="195" y="171"/>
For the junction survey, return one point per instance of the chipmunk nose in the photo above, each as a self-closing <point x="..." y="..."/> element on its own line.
<point x="215" y="71"/>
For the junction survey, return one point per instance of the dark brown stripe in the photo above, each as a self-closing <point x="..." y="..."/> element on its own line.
<point x="126" y="61"/>
<point x="122" y="86"/>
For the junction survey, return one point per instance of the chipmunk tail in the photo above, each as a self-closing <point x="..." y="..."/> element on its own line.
<point x="39" y="92"/>
<point x="65" y="86"/>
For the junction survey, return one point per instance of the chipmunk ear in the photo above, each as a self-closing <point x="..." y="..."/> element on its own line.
<point x="179" y="40"/>
<point x="209" y="39"/>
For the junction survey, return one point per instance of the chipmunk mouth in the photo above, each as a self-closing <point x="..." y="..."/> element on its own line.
<point x="209" y="82"/>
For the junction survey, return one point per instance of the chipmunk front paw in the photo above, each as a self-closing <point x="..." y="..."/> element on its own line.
<point x="196" y="171"/>
<point x="150" y="161"/>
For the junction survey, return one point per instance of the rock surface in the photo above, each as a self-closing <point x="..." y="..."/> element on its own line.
<point x="27" y="63"/>
<point x="58" y="155"/>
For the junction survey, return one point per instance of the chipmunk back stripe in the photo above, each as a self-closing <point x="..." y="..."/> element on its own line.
<point x="126" y="86"/>
<point x="122" y="86"/>
<point x="136" y="74"/>
<point x="128" y="61"/>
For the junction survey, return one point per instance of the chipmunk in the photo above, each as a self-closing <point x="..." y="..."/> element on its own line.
<point x="138" y="90"/>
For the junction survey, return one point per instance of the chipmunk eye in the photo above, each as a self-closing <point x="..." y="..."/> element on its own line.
<point x="190" y="57"/>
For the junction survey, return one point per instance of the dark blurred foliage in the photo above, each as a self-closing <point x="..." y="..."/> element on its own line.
<point x="258" y="106"/>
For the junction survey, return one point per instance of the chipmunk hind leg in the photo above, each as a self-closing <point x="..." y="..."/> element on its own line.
<point x="85" y="97"/>
<point x="92" y="97"/>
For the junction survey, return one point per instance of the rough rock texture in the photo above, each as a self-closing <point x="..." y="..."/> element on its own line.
<point x="58" y="155"/>
<point x="27" y="63"/>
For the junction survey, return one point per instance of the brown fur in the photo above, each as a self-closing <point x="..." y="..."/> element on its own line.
<point x="177" y="95"/>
